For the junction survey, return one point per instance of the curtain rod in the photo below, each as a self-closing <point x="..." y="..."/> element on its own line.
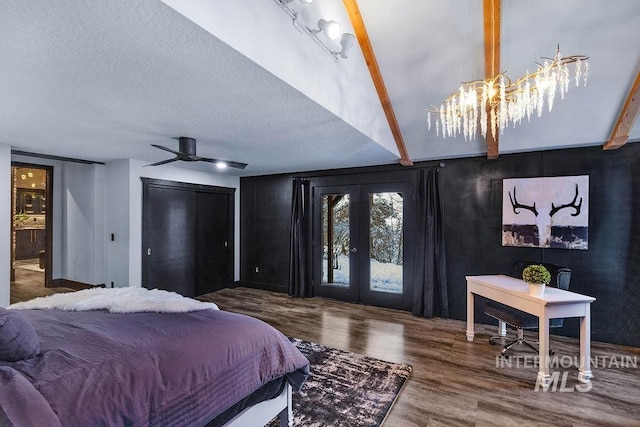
<point x="315" y="174"/>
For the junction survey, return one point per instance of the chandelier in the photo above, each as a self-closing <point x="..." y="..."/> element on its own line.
<point x="498" y="102"/>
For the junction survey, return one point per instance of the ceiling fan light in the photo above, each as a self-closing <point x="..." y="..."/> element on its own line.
<point x="331" y="29"/>
<point x="221" y="165"/>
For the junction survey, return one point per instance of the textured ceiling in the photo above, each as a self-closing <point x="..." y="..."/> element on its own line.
<point x="104" y="80"/>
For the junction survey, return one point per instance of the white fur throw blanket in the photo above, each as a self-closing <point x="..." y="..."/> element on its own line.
<point x="118" y="300"/>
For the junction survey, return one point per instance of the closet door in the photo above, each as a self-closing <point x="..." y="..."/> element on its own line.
<point x="169" y="241"/>
<point x="187" y="237"/>
<point x="214" y="263"/>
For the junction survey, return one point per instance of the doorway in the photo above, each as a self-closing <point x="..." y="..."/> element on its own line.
<point x="31" y="230"/>
<point x="362" y="243"/>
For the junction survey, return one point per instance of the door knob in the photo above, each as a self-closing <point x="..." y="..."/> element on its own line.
<point x="354" y="250"/>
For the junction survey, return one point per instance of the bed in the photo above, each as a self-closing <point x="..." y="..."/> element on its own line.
<point x="98" y="367"/>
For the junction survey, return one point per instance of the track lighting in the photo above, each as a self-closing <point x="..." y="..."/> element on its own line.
<point x="330" y="28"/>
<point x="347" y="41"/>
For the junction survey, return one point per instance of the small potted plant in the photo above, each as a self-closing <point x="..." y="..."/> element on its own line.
<point x="537" y="276"/>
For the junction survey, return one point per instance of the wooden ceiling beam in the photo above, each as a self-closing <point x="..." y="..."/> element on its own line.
<point x="367" y="50"/>
<point x="626" y="119"/>
<point x="491" y="62"/>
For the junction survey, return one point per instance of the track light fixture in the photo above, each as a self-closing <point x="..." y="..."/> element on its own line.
<point x="331" y="30"/>
<point x="347" y="41"/>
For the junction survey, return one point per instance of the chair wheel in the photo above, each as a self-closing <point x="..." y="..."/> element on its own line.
<point x="491" y="341"/>
<point x="552" y="352"/>
<point x="504" y="352"/>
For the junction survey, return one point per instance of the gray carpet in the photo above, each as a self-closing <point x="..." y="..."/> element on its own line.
<point x="346" y="389"/>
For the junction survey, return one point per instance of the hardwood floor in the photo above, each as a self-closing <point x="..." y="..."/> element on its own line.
<point x="455" y="382"/>
<point x="29" y="282"/>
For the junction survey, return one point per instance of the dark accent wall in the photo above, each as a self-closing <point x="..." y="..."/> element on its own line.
<point x="265" y="212"/>
<point x="472" y="191"/>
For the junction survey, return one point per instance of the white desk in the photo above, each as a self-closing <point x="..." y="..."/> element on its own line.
<point x="555" y="303"/>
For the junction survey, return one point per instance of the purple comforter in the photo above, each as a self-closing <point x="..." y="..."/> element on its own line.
<point x="143" y="369"/>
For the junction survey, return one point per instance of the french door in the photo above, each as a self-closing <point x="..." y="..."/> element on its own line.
<point x="362" y="243"/>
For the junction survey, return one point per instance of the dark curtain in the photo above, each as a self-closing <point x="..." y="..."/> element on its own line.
<point x="430" y="290"/>
<point x="300" y="255"/>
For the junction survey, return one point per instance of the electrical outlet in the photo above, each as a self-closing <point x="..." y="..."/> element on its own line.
<point x="257" y="270"/>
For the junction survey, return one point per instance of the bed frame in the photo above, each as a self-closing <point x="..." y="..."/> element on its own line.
<point x="261" y="413"/>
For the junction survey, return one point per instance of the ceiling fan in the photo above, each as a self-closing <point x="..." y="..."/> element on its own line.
<point x="187" y="153"/>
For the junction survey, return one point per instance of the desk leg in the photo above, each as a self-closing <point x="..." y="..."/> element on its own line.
<point x="543" y="335"/>
<point x="502" y="328"/>
<point x="470" y="315"/>
<point x="584" y="373"/>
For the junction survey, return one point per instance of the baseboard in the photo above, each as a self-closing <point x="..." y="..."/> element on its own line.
<point x="78" y="286"/>
<point x="262" y="286"/>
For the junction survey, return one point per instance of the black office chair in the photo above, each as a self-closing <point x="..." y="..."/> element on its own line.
<point x="519" y="320"/>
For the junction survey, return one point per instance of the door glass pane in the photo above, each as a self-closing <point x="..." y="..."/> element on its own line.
<point x="335" y="240"/>
<point x="386" y="242"/>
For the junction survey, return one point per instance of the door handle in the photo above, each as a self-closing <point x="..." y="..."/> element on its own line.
<point x="354" y="250"/>
<point x="149" y="251"/>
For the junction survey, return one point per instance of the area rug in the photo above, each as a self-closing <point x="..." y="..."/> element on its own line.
<point x="345" y="389"/>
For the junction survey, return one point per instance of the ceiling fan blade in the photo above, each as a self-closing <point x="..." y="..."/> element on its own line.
<point x="162" y="162"/>
<point x="229" y="163"/>
<point x="177" y="153"/>
<point x="187" y="153"/>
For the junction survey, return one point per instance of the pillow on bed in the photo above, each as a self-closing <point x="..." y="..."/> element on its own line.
<point x="18" y="339"/>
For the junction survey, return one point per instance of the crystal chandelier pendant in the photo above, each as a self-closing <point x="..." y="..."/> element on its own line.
<point x="498" y="102"/>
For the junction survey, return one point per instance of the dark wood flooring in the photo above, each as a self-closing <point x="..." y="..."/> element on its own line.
<point x="29" y="282"/>
<point x="455" y="382"/>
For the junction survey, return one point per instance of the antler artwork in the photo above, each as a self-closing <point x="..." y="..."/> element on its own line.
<point x="573" y="205"/>
<point x="516" y="205"/>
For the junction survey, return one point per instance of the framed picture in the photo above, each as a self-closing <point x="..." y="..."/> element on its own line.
<point x="546" y="212"/>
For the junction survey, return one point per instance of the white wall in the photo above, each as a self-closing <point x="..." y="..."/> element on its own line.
<point x="116" y="219"/>
<point x="5" y="224"/>
<point x="83" y="223"/>
<point x="99" y="235"/>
